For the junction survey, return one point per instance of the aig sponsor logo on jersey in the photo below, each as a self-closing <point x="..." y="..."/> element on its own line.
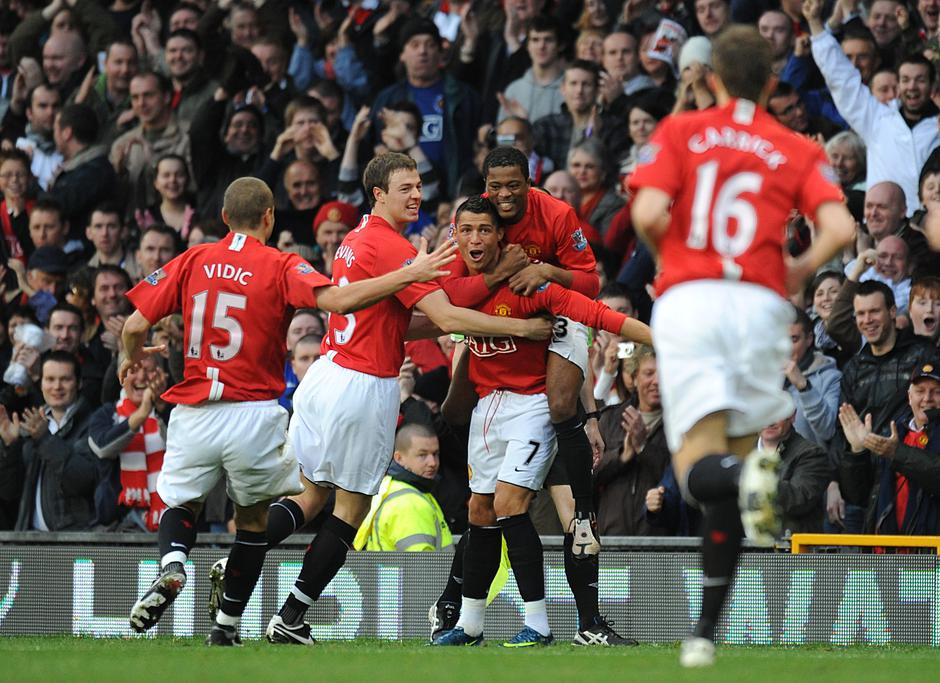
<point x="828" y="172"/>
<point x="156" y="276"/>
<point x="580" y="242"/>
<point x="647" y="154"/>
<point x="484" y="347"/>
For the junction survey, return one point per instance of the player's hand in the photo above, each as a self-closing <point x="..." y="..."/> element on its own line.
<point x="883" y="446"/>
<point x="835" y="505"/>
<point x="35" y="423"/>
<point x="513" y="259"/>
<point x="9" y="426"/>
<point x="854" y="429"/>
<point x="538" y="329"/>
<point x="654" y="499"/>
<point x="593" y="432"/>
<point x="427" y="266"/>
<point x="527" y="280"/>
<point x="131" y="363"/>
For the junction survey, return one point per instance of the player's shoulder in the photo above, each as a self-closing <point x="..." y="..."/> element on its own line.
<point x="547" y="207"/>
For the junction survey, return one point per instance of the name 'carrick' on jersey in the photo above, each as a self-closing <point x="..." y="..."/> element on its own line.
<point x="237" y="297"/>
<point x="516" y="364"/>
<point x="373" y="340"/>
<point x="734" y="174"/>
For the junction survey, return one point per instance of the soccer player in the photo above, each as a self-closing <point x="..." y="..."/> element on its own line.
<point x="346" y="407"/>
<point x="512" y="443"/>
<point x="549" y="233"/>
<point x="237" y="298"/>
<point x="713" y="192"/>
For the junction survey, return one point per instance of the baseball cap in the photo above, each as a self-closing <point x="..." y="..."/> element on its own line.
<point x="418" y="26"/>
<point x="696" y="49"/>
<point x="336" y="212"/>
<point x="927" y="371"/>
<point x="50" y="260"/>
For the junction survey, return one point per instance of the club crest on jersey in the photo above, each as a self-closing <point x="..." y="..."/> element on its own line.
<point x="303" y="268"/>
<point x="580" y="242"/>
<point x="647" y="153"/>
<point x="156" y="276"/>
<point x="828" y="172"/>
<point x="532" y="250"/>
<point x="503" y="309"/>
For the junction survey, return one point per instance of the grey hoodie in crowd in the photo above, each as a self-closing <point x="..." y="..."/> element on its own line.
<point x="817" y="406"/>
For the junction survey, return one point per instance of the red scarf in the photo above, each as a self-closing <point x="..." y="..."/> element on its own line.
<point x="14" y="248"/>
<point x="141" y="462"/>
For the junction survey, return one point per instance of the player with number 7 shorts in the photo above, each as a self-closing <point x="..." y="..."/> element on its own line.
<point x="512" y="442"/>
<point x="237" y="297"/>
<point x="714" y="190"/>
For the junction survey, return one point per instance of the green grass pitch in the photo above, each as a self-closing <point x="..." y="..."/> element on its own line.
<point x="177" y="660"/>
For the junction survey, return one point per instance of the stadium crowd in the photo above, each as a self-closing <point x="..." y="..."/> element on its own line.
<point x="123" y="123"/>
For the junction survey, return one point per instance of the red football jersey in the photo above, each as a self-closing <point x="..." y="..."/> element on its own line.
<point x="734" y="174"/>
<point x="373" y="340"/>
<point x="237" y="297"/>
<point x="550" y="231"/>
<point x="519" y="364"/>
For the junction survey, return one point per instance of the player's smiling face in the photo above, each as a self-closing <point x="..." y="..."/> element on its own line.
<point x="478" y="241"/>
<point x="403" y="198"/>
<point x="508" y="190"/>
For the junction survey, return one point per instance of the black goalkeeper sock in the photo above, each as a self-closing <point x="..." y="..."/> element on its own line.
<point x="284" y="518"/>
<point x="481" y="559"/>
<point x="575" y="451"/>
<point x="322" y="560"/>
<point x="525" y="555"/>
<point x="721" y="544"/>
<point x="243" y="569"/>
<point x="177" y="535"/>
<point x="714" y="478"/>
<point x="583" y="575"/>
<point x="454" y="585"/>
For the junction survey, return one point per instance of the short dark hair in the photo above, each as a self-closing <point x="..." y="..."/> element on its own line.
<point x="408" y="107"/>
<point x="186" y="33"/>
<point x="303" y="102"/>
<point x="245" y="202"/>
<point x="783" y="89"/>
<point x="503" y="157"/>
<point x="545" y="23"/>
<point x="477" y="204"/>
<point x="585" y="65"/>
<point x="408" y="431"/>
<point x="918" y="58"/>
<point x="164" y="84"/>
<point x="66" y="307"/>
<point x="22" y="311"/>
<point x="123" y="42"/>
<point x="614" y="289"/>
<point x="161" y="229"/>
<point x="379" y="172"/>
<point x="856" y="30"/>
<point x="50" y="205"/>
<point x="16" y="154"/>
<point x="870" y="287"/>
<point x="113" y="269"/>
<point x="743" y="61"/>
<point x="110" y="208"/>
<point x="61" y="357"/>
<point x="82" y="121"/>
<point x="801" y="318"/>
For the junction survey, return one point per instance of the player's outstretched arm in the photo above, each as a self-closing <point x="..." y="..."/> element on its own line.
<point x="835" y="229"/>
<point x="595" y="314"/>
<point x="358" y="295"/>
<point x="134" y="335"/>
<point x="650" y="215"/>
<point x="450" y="319"/>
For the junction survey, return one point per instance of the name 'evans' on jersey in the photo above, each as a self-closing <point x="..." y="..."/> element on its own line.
<point x="739" y="140"/>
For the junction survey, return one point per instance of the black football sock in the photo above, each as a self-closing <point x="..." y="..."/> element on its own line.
<point x="575" y="451"/>
<point x="582" y="575"/>
<point x="242" y="571"/>
<point x="525" y="555"/>
<point x="177" y="535"/>
<point x="721" y="543"/>
<point x="714" y="478"/>
<point x="284" y="518"/>
<point x="454" y="585"/>
<point x="322" y="560"/>
<point x="481" y="560"/>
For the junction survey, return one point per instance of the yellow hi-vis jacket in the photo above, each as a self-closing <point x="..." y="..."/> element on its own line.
<point x="403" y="518"/>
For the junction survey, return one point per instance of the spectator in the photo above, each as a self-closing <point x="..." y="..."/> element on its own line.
<point x="924" y="306"/>
<point x="622" y="66"/>
<point x="450" y="109"/>
<point x="712" y="16"/>
<point x="813" y="381"/>
<point x="537" y="93"/>
<point x="66" y="328"/>
<point x="43" y="105"/>
<point x="636" y="455"/>
<point x="175" y="206"/>
<point x="588" y="163"/>
<point x="306" y="322"/>
<point x="20" y="389"/>
<point x="846" y="153"/>
<point x="786" y="105"/>
<point x="644" y="115"/>
<point x="405" y="516"/>
<point x="874" y="376"/>
<point x="896" y="478"/>
<point x="898" y="140"/>
<point x="884" y="85"/>
<point x="110" y="284"/>
<point x="804" y="472"/>
<point x="279" y="88"/>
<point x="64" y="61"/>
<point x="45" y="272"/>
<point x="109" y="93"/>
<point x="517" y="132"/>
<point x="158" y="132"/>
<point x="885" y="209"/>
<point x="590" y="46"/>
<point x="694" y="65"/>
<point x="86" y="178"/>
<point x="105" y="231"/>
<point x="882" y="21"/>
<point x="60" y="17"/>
<point x="158" y="246"/>
<point x="332" y="223"/>
<point x="51" y="462"/>
<point x="563" y="186"/>
<point x="192" y="90"/>
<point x="15" y="208"/>
<point x="825" y="287"/>
<point x="306" y="352"/>
<point x="777" y="29"/>
<point x="129" y="437"/>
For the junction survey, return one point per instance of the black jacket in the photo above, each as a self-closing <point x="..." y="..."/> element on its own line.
<point x="804" y="475"/>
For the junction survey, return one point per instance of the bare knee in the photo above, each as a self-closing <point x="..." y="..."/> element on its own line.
<point x="351" y="507"/>
<point x="481" y="510"/>
<point x="511" y="500"/>
<point x="312" y="500"/>
<point x="253" y="517"/>
<point x="563" y="386"/>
